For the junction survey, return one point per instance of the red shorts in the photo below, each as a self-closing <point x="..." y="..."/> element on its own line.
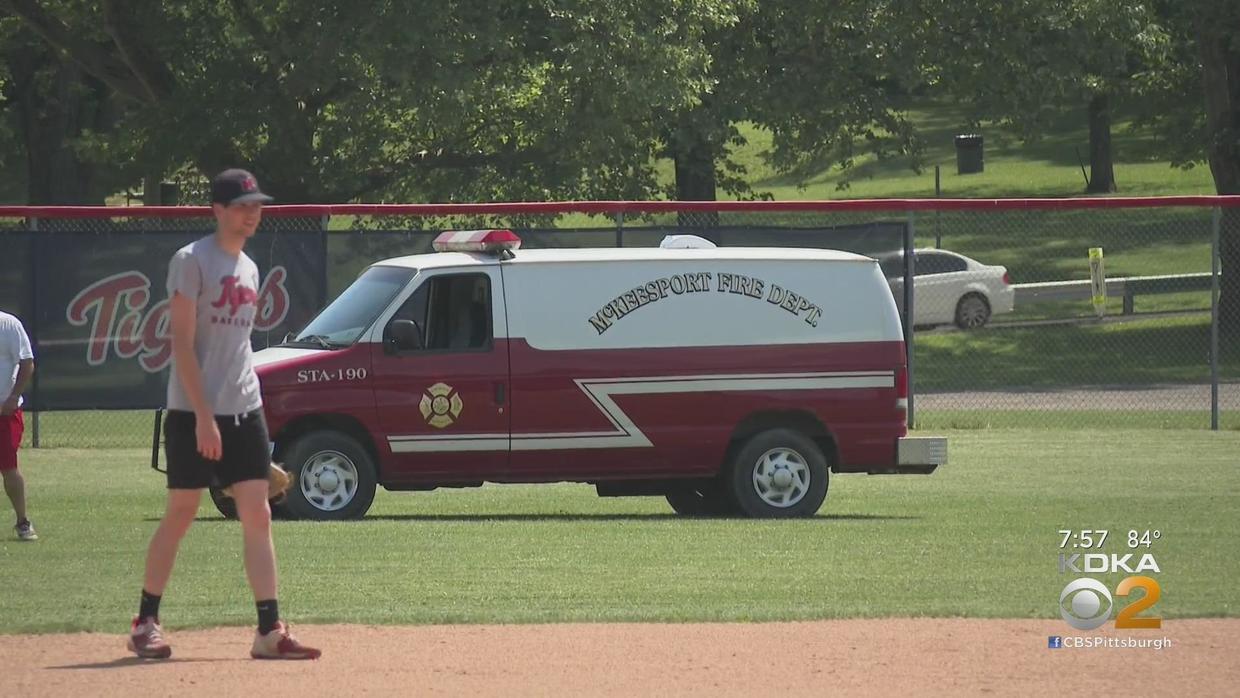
<point x="11" y="428"/>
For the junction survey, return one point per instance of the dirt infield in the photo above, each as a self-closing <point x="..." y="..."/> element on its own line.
<point x="847" y="657"/>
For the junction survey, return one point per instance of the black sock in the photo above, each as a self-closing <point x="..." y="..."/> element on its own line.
<point x="149" y="607"/>
<point x="268" y="614"/>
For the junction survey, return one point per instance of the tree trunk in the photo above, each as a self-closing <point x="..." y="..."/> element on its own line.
<point x="1101" y="166"/>
<point x="1220" y="60"/>
<point x="695" y="179"/>
<point x="55" y="102"/>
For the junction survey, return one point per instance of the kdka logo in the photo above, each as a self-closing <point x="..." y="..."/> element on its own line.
<point x="1086" y="603"/>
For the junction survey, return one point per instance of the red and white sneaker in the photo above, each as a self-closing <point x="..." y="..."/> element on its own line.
<point x="280" y="644"/>
<point x="147" y="640"/>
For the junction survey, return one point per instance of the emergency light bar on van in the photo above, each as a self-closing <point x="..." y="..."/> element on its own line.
<point x="501" y="241"/>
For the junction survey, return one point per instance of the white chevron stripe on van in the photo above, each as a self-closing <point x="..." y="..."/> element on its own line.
<point x="625" y="433"/>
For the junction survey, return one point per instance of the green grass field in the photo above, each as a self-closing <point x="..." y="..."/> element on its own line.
<point x="977" y="539"/>
<point x="1137" y="353"/>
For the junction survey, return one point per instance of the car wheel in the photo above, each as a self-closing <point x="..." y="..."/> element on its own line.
<point x="334" y="477"/>
<point x="779" y="473"/>
<point x="972" y="312"/>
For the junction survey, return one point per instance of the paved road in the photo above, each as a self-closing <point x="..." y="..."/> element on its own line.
<point x="1155" y="397"/>
<point x="999" y="324"/>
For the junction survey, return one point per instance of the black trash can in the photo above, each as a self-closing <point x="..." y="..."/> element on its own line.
<point x="169" y="193"/>
<point x="969" y="154"/>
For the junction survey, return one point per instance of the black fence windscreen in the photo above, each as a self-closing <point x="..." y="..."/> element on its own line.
<point x="1071" y="313"/>
<point x="93" y="297"/>
<point x="95" y="306"/>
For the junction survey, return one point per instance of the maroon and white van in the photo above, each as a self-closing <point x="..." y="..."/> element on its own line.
<point x="728" y="380"/>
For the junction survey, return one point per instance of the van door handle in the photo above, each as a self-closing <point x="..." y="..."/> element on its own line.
<point x="499" y="393"/>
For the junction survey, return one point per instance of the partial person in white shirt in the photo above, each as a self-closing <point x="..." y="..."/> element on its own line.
<point x="16" y="370"/>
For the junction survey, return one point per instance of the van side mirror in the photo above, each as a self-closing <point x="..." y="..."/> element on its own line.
<point x="403" y="335"/>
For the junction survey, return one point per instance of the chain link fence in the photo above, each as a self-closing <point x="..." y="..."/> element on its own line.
<point x="1064" y="315"/>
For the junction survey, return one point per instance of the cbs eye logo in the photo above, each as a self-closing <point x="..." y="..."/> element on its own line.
<point x="1087" y="604"/>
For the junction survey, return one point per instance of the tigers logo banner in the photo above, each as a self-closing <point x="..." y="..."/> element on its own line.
<point x="98" y="310"/>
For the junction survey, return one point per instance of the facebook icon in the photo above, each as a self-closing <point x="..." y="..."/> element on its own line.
<point x="1054" y="642"/>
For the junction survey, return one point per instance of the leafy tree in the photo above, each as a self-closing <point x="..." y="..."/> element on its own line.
<point x="48" y="107"/>
<point x="1021" y="62"/>
<point x="1193" y="104"/>
<point x="824" y="78"/>
<point x="329" y="102"/>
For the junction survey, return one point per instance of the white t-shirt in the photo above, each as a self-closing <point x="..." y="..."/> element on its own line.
<point x="14" y="347"/>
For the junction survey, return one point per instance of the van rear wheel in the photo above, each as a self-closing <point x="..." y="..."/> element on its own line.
<point x="334" y="477"/>
<point x="779" y="473"/>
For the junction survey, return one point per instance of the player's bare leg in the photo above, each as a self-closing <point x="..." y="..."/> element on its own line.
<point x="146" y="637"/>
<point x="273" y="639"/>
<point x="179" y="515"/>
<point x="15" y="488"/>
<point x="260" y="553"/>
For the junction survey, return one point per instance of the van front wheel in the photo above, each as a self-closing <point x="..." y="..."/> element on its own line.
<point x="333" y="477"/>
<point x="779" y="473"/>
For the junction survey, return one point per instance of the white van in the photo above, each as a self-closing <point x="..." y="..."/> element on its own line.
<point x="729" y="380"/>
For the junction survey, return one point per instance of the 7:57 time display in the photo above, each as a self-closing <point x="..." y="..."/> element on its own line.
<point x="1085" y="538"/>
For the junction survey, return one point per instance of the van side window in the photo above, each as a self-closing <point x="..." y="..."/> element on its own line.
<point x="453" y="311"/>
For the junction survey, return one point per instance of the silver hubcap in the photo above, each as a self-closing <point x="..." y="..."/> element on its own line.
<point x="781" y="477"/>
<point x="329" y="480"/>
<point x="973" y="312"/>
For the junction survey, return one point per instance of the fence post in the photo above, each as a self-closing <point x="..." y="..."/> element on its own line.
<point x="620" y="229"/>
<point x="938" y="193"/>
<point x="32" y="224"/>
<point x="909" y="234"/>
<point x="1214" y="290"/>
<point x="324" y="222"/>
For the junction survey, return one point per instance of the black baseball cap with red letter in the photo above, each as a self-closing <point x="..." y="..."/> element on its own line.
<point x="236" y="187"/>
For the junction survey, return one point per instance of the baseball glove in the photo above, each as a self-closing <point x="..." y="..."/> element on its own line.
<point x="278" y="481"/>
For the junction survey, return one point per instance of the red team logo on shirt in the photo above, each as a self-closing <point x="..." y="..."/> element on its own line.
<point x="236" y="296"/>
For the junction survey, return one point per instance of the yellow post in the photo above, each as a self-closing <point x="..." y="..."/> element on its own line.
<point x="1098" y="281"/>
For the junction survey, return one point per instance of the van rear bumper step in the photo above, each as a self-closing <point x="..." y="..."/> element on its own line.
<point x="905" y="470"/>
<point x="916" y="455"/>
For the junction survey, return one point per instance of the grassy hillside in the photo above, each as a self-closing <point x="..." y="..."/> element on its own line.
<point x="1046" y="168"/>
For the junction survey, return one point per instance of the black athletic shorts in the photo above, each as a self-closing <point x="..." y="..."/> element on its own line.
<point x="246" y="452"/>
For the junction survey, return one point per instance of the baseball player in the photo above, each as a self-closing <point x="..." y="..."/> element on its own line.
<point x="215" y="433"/>
<point x="16" y="368"/>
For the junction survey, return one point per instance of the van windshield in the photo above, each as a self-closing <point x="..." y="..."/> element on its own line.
<point x="344" y="319"/>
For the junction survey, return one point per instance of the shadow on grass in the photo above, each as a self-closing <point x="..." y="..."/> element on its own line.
<point x="122" y="662"/>
<point x="611" y="517"/>
<point x="571" y="517"/>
